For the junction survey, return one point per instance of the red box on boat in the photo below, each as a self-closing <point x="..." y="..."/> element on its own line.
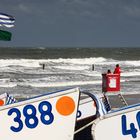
<point x="110" y="82"/>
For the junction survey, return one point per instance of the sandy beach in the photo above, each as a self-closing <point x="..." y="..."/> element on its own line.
<point x="130" y="99"/>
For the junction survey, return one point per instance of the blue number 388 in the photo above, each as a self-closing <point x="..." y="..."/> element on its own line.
<point x="31" y="119"/>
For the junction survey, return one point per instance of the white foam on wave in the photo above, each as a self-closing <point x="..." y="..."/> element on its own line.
<point x="133" y="63"/>
<point x="37" y="62"/>
<point x="92" y="74"/>
<point x="9" y="85"/>
<point x="19" y="62"/>
<point x="130" y="74"/>
<point x="78" y="60"/>
<point x="5" y="82"/>
<point x="63" y="67"/>
<point x="62" y="84"/>
<point x="72" y="67"/>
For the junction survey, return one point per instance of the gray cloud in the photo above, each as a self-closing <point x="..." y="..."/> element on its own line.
<point x="75" y="21"/>
<point x="92" y="8"/>
<point x="132" y="11"/>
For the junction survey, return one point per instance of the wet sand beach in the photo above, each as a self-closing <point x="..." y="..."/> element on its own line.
<point x="130" y="99"/>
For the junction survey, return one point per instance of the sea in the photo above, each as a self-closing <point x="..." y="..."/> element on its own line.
<point x="22" y="73"/>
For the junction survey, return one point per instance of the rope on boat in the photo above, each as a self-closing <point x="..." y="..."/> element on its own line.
<point x="123" y="99"/>
<point x="85" y="126"/>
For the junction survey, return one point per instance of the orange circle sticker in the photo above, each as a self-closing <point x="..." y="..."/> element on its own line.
<point x="65" y="105"/>
<point x="1" y="102"/>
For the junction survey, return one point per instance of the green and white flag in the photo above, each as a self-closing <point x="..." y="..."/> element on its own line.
<point x="5" y="35"/>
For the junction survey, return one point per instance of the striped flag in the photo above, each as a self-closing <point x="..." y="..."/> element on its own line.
<point x="6" y="20"/>
<point x="6" y="99"/>
<point x="10" y="99"/>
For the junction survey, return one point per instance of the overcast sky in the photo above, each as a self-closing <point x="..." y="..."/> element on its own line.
<point x="73" y="23"/>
